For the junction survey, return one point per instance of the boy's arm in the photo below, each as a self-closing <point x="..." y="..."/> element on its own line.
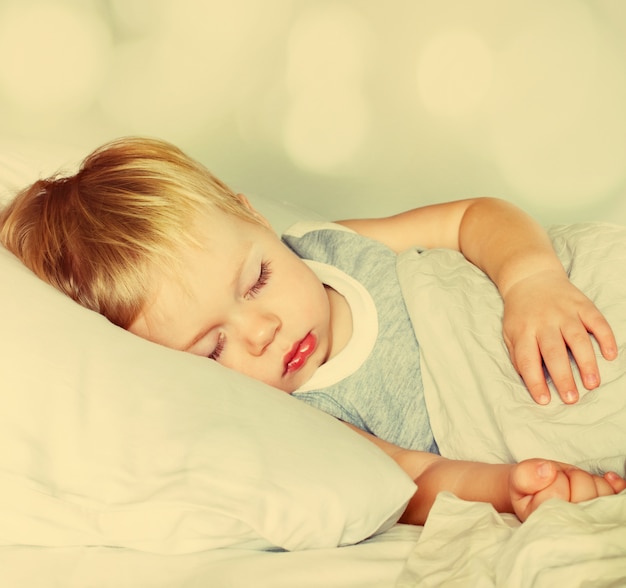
<point x="473" y="481"/>
<point x="514" y="488"/>
<point x="433" y="474"/>
<point x="545" y="315"/>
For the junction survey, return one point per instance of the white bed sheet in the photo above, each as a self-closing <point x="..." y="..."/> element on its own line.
<point x="375" y="563"/>
<point x="462" y="544"/>
<point x="467" y="544"/>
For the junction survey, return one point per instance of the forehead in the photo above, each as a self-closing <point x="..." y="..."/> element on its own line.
<point x="210" y="225"/>
<point x="222" y="244"/>
<point x="206" y="272"/>
<point x="214" y="223"/>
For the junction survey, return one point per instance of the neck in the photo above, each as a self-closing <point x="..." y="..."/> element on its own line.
<point x="340" y="321"/>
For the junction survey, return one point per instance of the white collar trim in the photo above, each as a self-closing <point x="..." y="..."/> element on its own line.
<point x="364" y="328"/>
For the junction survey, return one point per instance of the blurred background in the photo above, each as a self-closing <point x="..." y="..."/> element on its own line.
<point x="346" y="107"/>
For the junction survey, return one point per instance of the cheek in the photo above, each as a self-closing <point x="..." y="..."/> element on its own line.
<point x="310" y="296"/>
<point x="300" y="291"/>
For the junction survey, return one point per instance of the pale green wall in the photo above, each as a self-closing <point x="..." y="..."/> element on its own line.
<point x="350" y="107"/>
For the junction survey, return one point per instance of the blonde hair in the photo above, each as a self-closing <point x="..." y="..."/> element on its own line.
<point x="100" y="234"/>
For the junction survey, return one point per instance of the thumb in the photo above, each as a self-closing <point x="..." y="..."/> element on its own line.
<point x="533" y="475"/>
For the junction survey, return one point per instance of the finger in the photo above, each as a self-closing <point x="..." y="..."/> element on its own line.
<point x="603" y="488"/>
<point x="534" y="481"/>
<point x="526" y="483"/>
<point x="556" y="358"/>
<point x="617" y="483"/>
<point x="598" y="326"/>
<point x="527" y="361"/>
<point x="579" y="343"/>
<point x="584" y="486"/>
<point x="533" y="475"/>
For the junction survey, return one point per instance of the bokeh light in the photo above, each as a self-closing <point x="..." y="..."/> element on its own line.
<point x="327" y="117"/>
<point x="322" y="131"/>
<point x="557" y="123"/>
<point x="183" y="74"/>
<point x="454" y="72"/>
<point x="55" y="56"/>
<point x="357" y="108"/>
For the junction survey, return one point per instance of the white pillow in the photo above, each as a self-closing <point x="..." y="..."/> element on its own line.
<point x="107" y="439"/>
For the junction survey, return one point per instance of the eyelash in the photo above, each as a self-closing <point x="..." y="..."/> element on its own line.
<point x="218" y="348"/>
<point x="264" y="276"/>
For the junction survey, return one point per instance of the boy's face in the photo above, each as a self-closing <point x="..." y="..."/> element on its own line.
<point x="245" y="300"/>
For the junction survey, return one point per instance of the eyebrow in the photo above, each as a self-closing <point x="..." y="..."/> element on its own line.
<point x="240" y="265"/>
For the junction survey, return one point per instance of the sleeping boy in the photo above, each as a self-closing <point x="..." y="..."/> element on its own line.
<point x="152" y="240"/>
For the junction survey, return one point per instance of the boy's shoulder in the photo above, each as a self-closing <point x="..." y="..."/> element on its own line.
<point x="301" y="228"/>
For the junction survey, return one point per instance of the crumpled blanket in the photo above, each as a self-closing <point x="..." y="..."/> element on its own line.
<point x="480" y="410"/>
<point x="561" y="544"/>
<point x="477" y="403"/>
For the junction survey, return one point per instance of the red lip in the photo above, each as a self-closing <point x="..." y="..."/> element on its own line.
<point x="300" y="352"/>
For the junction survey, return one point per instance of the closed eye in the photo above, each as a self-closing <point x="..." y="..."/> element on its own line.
<point x="215" y="355"/>
<point x="264" y="275"/>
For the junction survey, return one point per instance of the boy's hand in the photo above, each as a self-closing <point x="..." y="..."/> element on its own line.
<point x="545" y="318"/>
<point x="534" y="481"/>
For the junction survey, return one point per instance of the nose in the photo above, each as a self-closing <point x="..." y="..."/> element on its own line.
<point x="259" y="330"/>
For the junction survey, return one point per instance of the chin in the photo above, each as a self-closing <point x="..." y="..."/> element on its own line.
<point x="289" y="390"/>
<point x="282" y="386"/>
